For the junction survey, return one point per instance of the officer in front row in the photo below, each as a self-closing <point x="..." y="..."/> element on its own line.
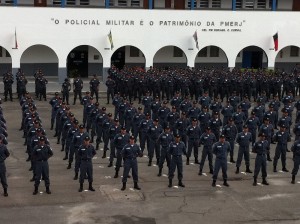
<point x="86" y="152"/>
<point x="41" y="153"/>
<point x="220" y="149"/>
<point x="3" y="155"/>
<point x="260" y="148"/>
<point x="129" y="153"/>
<point x="176" y="150"/>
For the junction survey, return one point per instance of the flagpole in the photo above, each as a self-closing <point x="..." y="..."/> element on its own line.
<point x="16" y="41"/>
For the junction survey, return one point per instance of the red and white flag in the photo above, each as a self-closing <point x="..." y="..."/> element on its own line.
<point x="195" y="36"/>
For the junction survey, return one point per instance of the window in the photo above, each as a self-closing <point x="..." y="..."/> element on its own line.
<point x="9" y="2"/>
<point x="177" y="52"/>
<point x="1" y="51"/>
<point x="203" y="4"/>
<point x="134" y="52"/>
<point x="249" y="4"/>
<point x="294" y="51"/>
<point x="56" y="2"/>
<point x="216" y="4"/>
<point x="122" y="3"/>
<point x="214" y="51"/>
<point x="111" y="2"/>
<point x="71" y="2"/>
<point x="203" y="53"/>
<point x="239" y="4"/>
<point x="84" y="2"/>
<point x="261" y="4"/>
<point x="190" y="3"/>
<point x="7" y="54"/>
<point x="135" y="3"/>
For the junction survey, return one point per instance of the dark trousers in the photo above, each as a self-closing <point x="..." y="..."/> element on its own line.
<point x="110" y="93"/>
<point x="280" y="151"/>
<point x="95" y="91"/>
<point x="164" y="155"/>
<point x="86" y="167"/>
<point x="119" y="159"/>
<point x="260" y="163"/>
<point x="66" y="97"/>
<point x="231" y="142"/>
<point x="143" y="139"/>
<point x="8" y="91"/>
<point x="112" y="151"/>
<point x="243" y="152"/>
<point x="3" y="175"/>
<point x="207" y="152"/>
<point x="176" y="161"/>
<point x="220" y="163"/>
<point x="77" y="93"/>
<point x="128" y="165"/>
<point x="296" y="165"/>
<point x="153" y="145"/>
<point x="193" y="144"/>
<point x="42" y="168"/>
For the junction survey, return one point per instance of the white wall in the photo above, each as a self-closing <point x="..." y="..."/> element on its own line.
<point x="37" y="26"/>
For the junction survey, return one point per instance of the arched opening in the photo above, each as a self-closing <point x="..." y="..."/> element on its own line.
<point x="5" y="61"/>
<point x="83" y="61"/>
<point x="170" y="56"/>
<point x="128" y="55"/>
<point x="211" y="56"/>
<point x="251" y="57"/>
<point x="39" y="57"/>
<point x="288" y="59"/>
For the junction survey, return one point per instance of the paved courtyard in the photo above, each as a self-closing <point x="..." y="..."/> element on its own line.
<point x="198" y="202"/>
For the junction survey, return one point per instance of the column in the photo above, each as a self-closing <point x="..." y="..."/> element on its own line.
<point x="62" y="70"/>
<point x="149" y="62"/>
<point x="274" y="5"/>
<point x="233" y="5"/>
<point x="106" y="3"/>
<point x="192" y="4"/>
<point x="15" y="2"/>
<point x="106" y="66"/>
<point x="63" y="3"/>
<point x="150" y="4"/>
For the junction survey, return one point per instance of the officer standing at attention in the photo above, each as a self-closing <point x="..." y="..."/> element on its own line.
<point x="296" y="157"/>
<point x="77" y="88"/>
<point x="3" y="155"/>
<point x="86" y="153"/>
<point x="65" y="89"/>
<point x="193" y="133"/>
<point x="260" y="148"/>
<point x="129" y="153"/>
<point x="8" y="80"/>
<point x="94" y="87"/>
<point x="40" y="154"/>
<point x="244" y="139"/>
<point x="176" y="150"/>
<point x="207" y="139"/>
<point x="220" y="149"/>
<point x="111" y="85"/>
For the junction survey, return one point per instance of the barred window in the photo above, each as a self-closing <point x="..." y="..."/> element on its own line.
<point x="190" y="3"/>
<point x="214" y="51"/>
<point x="203" y="4"/>
<point x="203" y="53"/>
<point x="177" y="52"/>
<point x="135" y="3"/>
<point x="134" y="52"/>
<point x="122" y="3"/>
<point x="216" y="4"/>
<point x="249" y="4"/>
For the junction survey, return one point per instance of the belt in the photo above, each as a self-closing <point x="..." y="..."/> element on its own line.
<point x="42" y="160"/>
<point x="86" y="159"/>
<point x="131" y="158"/>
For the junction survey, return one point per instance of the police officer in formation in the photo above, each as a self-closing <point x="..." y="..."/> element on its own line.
<point x="77" y="89"/>
<point x="129" y="153"/>
<point x="111" y="85"/>
<point x="94" y="87"/>
<point x="65" y="89"/>
<point x="4" y="153"/>
<point x="8" y="80"/>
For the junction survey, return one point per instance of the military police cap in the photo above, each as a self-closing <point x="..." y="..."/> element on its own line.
<point x="239" y="107"/>
<point x="165" y="102"/>
<point x="157" y="97"/>
<point x="75" y="122"/>
<point x="183" y="113"/>
<point x="147" y="114"/>
<point x="60" y="98"/>
<point x="262" y="135"/>
<point x="116" y="120"/>
<point x="140" y="108"/>
<point x="81" y="126"/>
<point x="230" y="119"/>
<point x="33" y="115"/>
<point x="123" y="128"/>
<point x="252" y="113"/>
<point x="36" y="122"/>
<point x="194" y="119"/>
<point x="42" y="138"/>
<point x="63" y="103"/>
<point x="245" y="126"/>
<point x="216" y="113"/>
<point x="103" y="108"/>
<point x="96" y="104"/>
<point x="109" y="114"/>
<point x="156" y="120"/>
<point x="205" y="107"/>
<point x="290" y="101"/>
<point x="194" y="102"/>
<point x="177" y="135"/>
<point x="167" y="127"/>
<point x="271" y="106"/>
<point x="222" y="136"/>
<point x="283" y="126"/>
<point x="27" y="92"/>
<point x="132" y="137"/>
<point x="208" y="128"/>
<point x="267" y="119"/>
<point x="87" y="92"/>
<point x="56" y="93"/>
<point x="91" y="98"/>
<point x="87" y="138"/>
<point x="284" y="110"/>
<point x="39" y="130"/>
<point x="173" y="107"/>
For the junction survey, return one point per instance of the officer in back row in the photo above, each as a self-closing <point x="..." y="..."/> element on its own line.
<point x="4" y="153"/>
<point x="94" y="87"/>
<point x="77" y="89"/>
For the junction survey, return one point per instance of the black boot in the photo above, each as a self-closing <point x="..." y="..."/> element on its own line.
<point x="157" y="161"/>
<point x="264" y="182"/>
<point x="116" y="174"/>
<point x="123" y="187"/>
<point x="274" y="169"/>
<point x="51" y="127"/>
<point x="200" y="172"/>
<point x="48" y="190"/>
<point x="80" y="188"/>
<point x="254" y="181"/>
<point x="225" y="183"/>
<point x="170" y="183"/>
<point x="36" y="189"/>
<point x="5" y="192"/>
<point x="104" y="154"/>
<point x="293" y="179"/>
<point x="231" y="160"/>
<point x="248" y="169"/>
<point x="196" y="161"/>
<point x="269" y="158"/>
<point x="66" y="156"/>
<point x="237" y="170"/>
<point x="110" y="164"/>
<point x="91" y="187"/>
<point x="211" y="171"/>
<point x="187" y="161"/>
<point x="136" y="186"/>
<point x="76" y="176"/>
<point x="150" y="162"/>
<point x="284" y="169"/>
<point x="180" y="184"/>
<point x="213" y="183"/>
<point x="159" y="172"/>
<point x="62" y="148"/>
<point x="69" y="166"/>
<point x="97" y="146"/>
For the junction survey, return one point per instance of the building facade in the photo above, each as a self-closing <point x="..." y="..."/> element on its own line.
<point x="87" y="36"/>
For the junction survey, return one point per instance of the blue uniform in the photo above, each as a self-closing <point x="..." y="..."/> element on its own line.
<point x="207" y="140"/>
<point x="176" y="150"/>
<point x="260" y="148"/>
<point x="243" y="139"/>
<point x="86" y="154"/>
<point x="220" y="150"/>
